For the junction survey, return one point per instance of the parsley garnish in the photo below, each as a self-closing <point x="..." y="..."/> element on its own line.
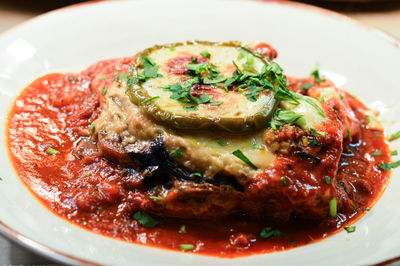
<point x="316" y="76"/>
<point x="150" y="99"/>
<point x="289" y="117"/>
<point x="365" y="209"/>
<point x="103" y="77"/>
<point x="187" y="247"/>
<point x="313" y="104"/>
<point x="122" y="76"/>
<point x="92" y="127"/>
<point x="328" y="180"/>
<point x="283" y="180"/>
<point x="182" y="230"/>
<point x="256" y="146"/>
<point x="350" y="229"/>
<point x="177" y="153"/>
<point x="394" y="136"/>
<point x="387" y="166"/>
<point x="367" y="119"/>
<point x="52" y="151"/>
<point x="307" y="86"/>
<point x="333" y="207"/>
<point x="267" y="232"/>
<point x="241" y="156"/>
<point x="190" y="108"/>
<point x="172" y="48"/>
<point x="395" y="152"/>
<point x="104" y="90"/>
<point x="145" y="219"/>
<point x="155" y="198"/>
<point x="220" y="142"/>
<point x="150" y="69"/>
<point x="313" y="142"/>
<point x="206" y="54"/>
<point x="197" y="174"/>
<point x="376" y="153"/>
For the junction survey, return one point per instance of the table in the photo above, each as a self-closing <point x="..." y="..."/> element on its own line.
<point x="384" y="15"/>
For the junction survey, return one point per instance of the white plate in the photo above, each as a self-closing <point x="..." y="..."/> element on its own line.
<point x="365" y="61"/>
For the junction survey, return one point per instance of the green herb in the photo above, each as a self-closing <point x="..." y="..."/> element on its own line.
<point x="333" y="207"/>
<point x="198" y="174"/>
<point x="350" y="229"/>
<point x="341" y="96"/>
<point x="273" y="125"/>
<point x="104" y="90"/>
<point x="217" y="103"/>
<point x="172" y="48"/>
<point x="322" y="134"/>
<point x="92" y="127"/>
<point x="283" y="180"/>
<point x="241" y="156"/>
<point x="186" y="247"/>
<point x="190" y="108"/>
<point x="145" y="219"/>
<point x="155" y="198"/>
<point x="289" y="117"/>
<point x="388" y="166"/>
<point x="220" y="142"/>
<point x="313" y="131"/>
<point x="367" y="119"/>
<point x="376" y="153"/>
<point x="316" y="76"/>
<point x="177" y="153"/>
<point x="313" y="142"/>
<point x="205" y="98"/>
<point x="394" y="152"/>
<point x="150" y="70"/>
<point x="268" y="232"/>
<point x="182" y="230"/>
<point x="152" y="189"/>
<point x="354" y="208"/>
<point x="321" y="99"/>
<point x="113" y="75"/>
<point x="356" y="174"/>
<point x="256" y="146"/>
<point x="206" y="54"/>
<point x="328" y="180"/>
<point x="103" y="77"/>
<point x="349" y="134"/>
<point x="365" y="209"/>
<point x="313" y="104"/>
<point x="52" y="151"/>
<point x="394" y="136"/>
<point x="122" y="76"/>
<point x="150" y="99"/>
<point x="307" y="86"/>
<point x="88" y="174"/>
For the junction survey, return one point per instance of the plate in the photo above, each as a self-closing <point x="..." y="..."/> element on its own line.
<point x="364" y="61"/>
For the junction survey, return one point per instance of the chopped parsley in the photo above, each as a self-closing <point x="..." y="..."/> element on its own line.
<point x="104" y="90"/>
<point x="333" y="207"/>
<point x="150" y="99"/>
<point x="172" y="48"/>
<point x="350" y="229"/>
<point x="367" y="119"/>
<point x="256" y="146"/>
<point x="122" y="76"/>
<point x="307" y="86"/>
<point x="313" y="142"/>
<point x="155" y="198"/>
<point x="376" y="153"/>
<point x="241" y="156"/>
<point x="197" y="174"/>
<point x="145" y="219"/>
<point x="150" y="70"/>
<point x="52" y="151"/>
<point x="328" y="180"/>
<point x="283" y="180"/>
<point x="182" y="230"/>
<point x="387" y="166"/>
<point x="317" y="77"/>
<point x="394" y="136"/>
<point x="365" y="209"/>
<point x="190" y="108"/>
<point x="221" y="142"/>
<point x="395" y="152"/>
<point x="177" y="153"/>
<point x="187" y="247"/>
<point x="313" y="104"/>
<point x="268" y="232"/>
<point x="103" y="77"/>
<point x="92" y="127"/>
<point x="205" y="54"/>
<point x="289" y="117"/>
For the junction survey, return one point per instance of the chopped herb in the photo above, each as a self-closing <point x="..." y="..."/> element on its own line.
<point x="145" y="219"/>
<point x="283" y="180"/>
<point x="206" y="54"/>
<point x="354" y="208"/>
<point x="333" y="207"/>
<point x="152" y="189"/>
<point x="241" y="156"/>
<point x="217" y="103"/>
<point x="220" y="142"/>
<point x="88" y="174"/>
<point x="150" y="70"/>
<point x="268" y="232"/>
<point x="190" y="108"/>
<point x="313" y="131"/>
<point x="394" y="136"/>
<point x="321" y="99"/>
<point x="322" y="134"/>
<point x="316" y="76"/>
<point x="92" y="127"/>
<point x="376" y="153"/>
<point x="155" y="198"/>
<point x="341" y="96"/>
<point x="394" y="152"/>
<point x="365" y="209"/>
<point x="182" y="230"/>
<point x="349" y="134"/>
<point x="350" y="229"/>
<point x="388" y="166"/>
<point x="307" y="86"/>
<point x="256" y="146"/>
<point x="198" y="174"/>
<point x="273" y="125"/>
<point x="313" y="104"/>
<point x="187" y="247"/>
<point x="313" y="142"/>
<point x="177" y="153"/>
<point x="367" y="119"/>
<point x="172" y="48"/>
<point x="122" y="76"/>
<point x="52" y="151"/>
<point x="328" y="180"/>
<point x="103" y="77"/>
<point x="150" y="99"/>
<point x="289" y="117"/>
<point x="356" y="174"/>
<point x="104" y="90"/>
<point x="205" y="98"/>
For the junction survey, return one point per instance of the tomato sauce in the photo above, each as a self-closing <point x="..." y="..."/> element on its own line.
<point x="57" y="111"/>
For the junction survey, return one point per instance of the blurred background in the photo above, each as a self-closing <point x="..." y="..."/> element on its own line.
<point x="381" y="14"/>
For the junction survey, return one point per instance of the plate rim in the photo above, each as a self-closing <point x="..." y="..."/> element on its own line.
<point x="58" y="256"/>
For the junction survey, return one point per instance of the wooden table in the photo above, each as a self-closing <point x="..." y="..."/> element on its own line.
<point x="383" y="15"/>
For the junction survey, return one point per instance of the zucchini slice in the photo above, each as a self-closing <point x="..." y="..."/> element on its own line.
<point x="177" y="96"/>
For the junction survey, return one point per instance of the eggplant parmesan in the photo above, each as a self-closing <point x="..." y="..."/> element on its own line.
<point x="200" y="146"/>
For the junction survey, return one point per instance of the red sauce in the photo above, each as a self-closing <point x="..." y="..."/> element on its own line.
<point x="57" y="110"/>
